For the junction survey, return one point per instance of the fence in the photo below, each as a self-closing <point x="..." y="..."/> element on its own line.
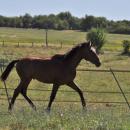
<point x="85" y="91"/>
<point x="70" y="101"/>
<point x="33" y="44"/>
<point x="59" y="44"/>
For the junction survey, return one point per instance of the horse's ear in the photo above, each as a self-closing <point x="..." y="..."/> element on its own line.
<point x="90" y="44"/>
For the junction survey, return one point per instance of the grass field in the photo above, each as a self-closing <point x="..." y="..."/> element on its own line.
<point x="66" y="116"/>
<point x="68" y="37"/>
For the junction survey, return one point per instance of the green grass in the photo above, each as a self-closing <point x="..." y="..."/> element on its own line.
<point x="13" y="36"/>
<point x="67" y="116"/>
<point x="98" y="116"/>
<point x="16" y="35"/>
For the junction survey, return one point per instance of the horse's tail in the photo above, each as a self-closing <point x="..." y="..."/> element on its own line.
<point x="8" y="69"/>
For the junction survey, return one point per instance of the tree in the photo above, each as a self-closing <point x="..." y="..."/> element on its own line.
<point x="126" y="46"/>
<point x="27" y="21"/>
<point x="1" y="21"/>
<point x="88" y="22"/>
<point x="93" y="22"/>
<point x="64" y="16"/>
<point x="62" y="25"/>
<point x="101" y="22"/>
<point x="97" y="36"/>
<point x="69" y="19"/>
<point x="64" y="21"/>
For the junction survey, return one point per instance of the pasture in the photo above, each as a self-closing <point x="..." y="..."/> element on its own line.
<point x="13" y="36"/>
<point x="66" y="115"/>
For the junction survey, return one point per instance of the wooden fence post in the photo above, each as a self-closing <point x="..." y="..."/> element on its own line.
<point x="32" y="44"/>
<point x="46" y="32"/>
<point x="3" y="43"/>
<point x="3" y="64"/>
<point x="61" y="44"/>
<point x="18" y="44"/>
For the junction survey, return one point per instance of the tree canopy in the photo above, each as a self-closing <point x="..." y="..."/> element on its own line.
<point x="64" y="21"/>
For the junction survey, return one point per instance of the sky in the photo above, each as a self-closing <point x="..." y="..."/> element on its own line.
<point x="111" y="9"/>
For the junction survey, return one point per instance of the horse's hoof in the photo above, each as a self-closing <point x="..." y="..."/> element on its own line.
<point x="34" y="108"/>
<point x="48" y="110"/>
<point x="10" y="108"/>
<point x="9" y="111"/>
<point x="85" y="109"/>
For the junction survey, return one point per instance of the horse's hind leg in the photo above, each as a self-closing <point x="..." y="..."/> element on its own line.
<point x="22" y="88"/>
<point x="16" y="93"/>
<point x="24" y="93"/>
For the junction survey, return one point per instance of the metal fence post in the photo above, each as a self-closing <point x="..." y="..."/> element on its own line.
<point x="6" y="90"/>
<point x="120" y="88"/>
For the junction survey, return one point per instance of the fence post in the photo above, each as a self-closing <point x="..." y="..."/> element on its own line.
<point x="46" y="37"/>
<point x="18" y="44"/>
<point x="3" y="65"/>
<point x="32" y="44"/>
<point x="6" y="90"/>
<point x="120" y="88"/>
<point x="61" y="44"/>
<point x="3" y="44"/>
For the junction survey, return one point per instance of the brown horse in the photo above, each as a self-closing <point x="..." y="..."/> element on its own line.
<point x="57" y="70"/>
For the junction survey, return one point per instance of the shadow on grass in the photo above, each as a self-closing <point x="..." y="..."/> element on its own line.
<point x="125" y="54"/>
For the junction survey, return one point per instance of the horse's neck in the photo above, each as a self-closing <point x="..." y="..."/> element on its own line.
<point x="75" y="60"/>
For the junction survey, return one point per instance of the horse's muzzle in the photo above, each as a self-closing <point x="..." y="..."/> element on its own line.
<point x="98" y="64"/>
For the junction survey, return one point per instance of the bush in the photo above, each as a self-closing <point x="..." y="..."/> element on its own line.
<point x="97" y="36"/>
<point x="126" y="46"/>
<point x="120" y="30"/>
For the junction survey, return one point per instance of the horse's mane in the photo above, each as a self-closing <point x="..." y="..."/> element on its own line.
<point x="69" y="54"/>
<point x="58" y="57"/>
<point x="72" y="52"/>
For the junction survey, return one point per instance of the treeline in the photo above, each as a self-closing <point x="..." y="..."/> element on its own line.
<point x="64" y="21"/>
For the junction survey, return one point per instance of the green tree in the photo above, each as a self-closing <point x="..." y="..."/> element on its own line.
<point x="27" y="20"/>
<point x="97" y="36"/>
<point x="62" y="25"/>
<point x="1" y="21"/>
<point x="101" y="22"/>
<point x="88" y="22"/>
<point x="126" y="46"/>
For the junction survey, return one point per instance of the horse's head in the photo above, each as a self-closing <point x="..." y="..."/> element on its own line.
<point x="89" y="53"/>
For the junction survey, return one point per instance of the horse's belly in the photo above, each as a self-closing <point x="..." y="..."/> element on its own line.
<point x="44" y="77"/>
<point x="57" y="76"/>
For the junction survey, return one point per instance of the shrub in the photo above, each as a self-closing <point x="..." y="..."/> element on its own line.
<point x="97" y="36"/>
<point x="126" y="46"/>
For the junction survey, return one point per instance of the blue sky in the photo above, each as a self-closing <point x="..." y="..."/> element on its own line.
<point x="111" y="9"/>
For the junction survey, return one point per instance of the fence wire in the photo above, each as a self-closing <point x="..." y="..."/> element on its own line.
<point x="84" y="91"/>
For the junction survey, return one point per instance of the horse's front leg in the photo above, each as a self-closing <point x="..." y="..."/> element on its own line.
<point x="77" y="89"/>
<point x="53" y="94"/>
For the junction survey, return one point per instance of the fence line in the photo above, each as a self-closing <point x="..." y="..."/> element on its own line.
<point x="70" y="101"/>
<point x="69" y="91"/>
<point x="85" y="91"/>
<point x="3" y="65"/>
<point x="34" y="44"/>
<point x="104" y="70"/>
<point x="41" y="44"/>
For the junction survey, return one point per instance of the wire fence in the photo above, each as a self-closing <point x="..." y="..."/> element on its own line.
<point x="84" y="91"/>
<point x="3" y="64"/>
<point x="59" y="44"/>
<point x="70" y="91"/>
<point x="73" y="101"/>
